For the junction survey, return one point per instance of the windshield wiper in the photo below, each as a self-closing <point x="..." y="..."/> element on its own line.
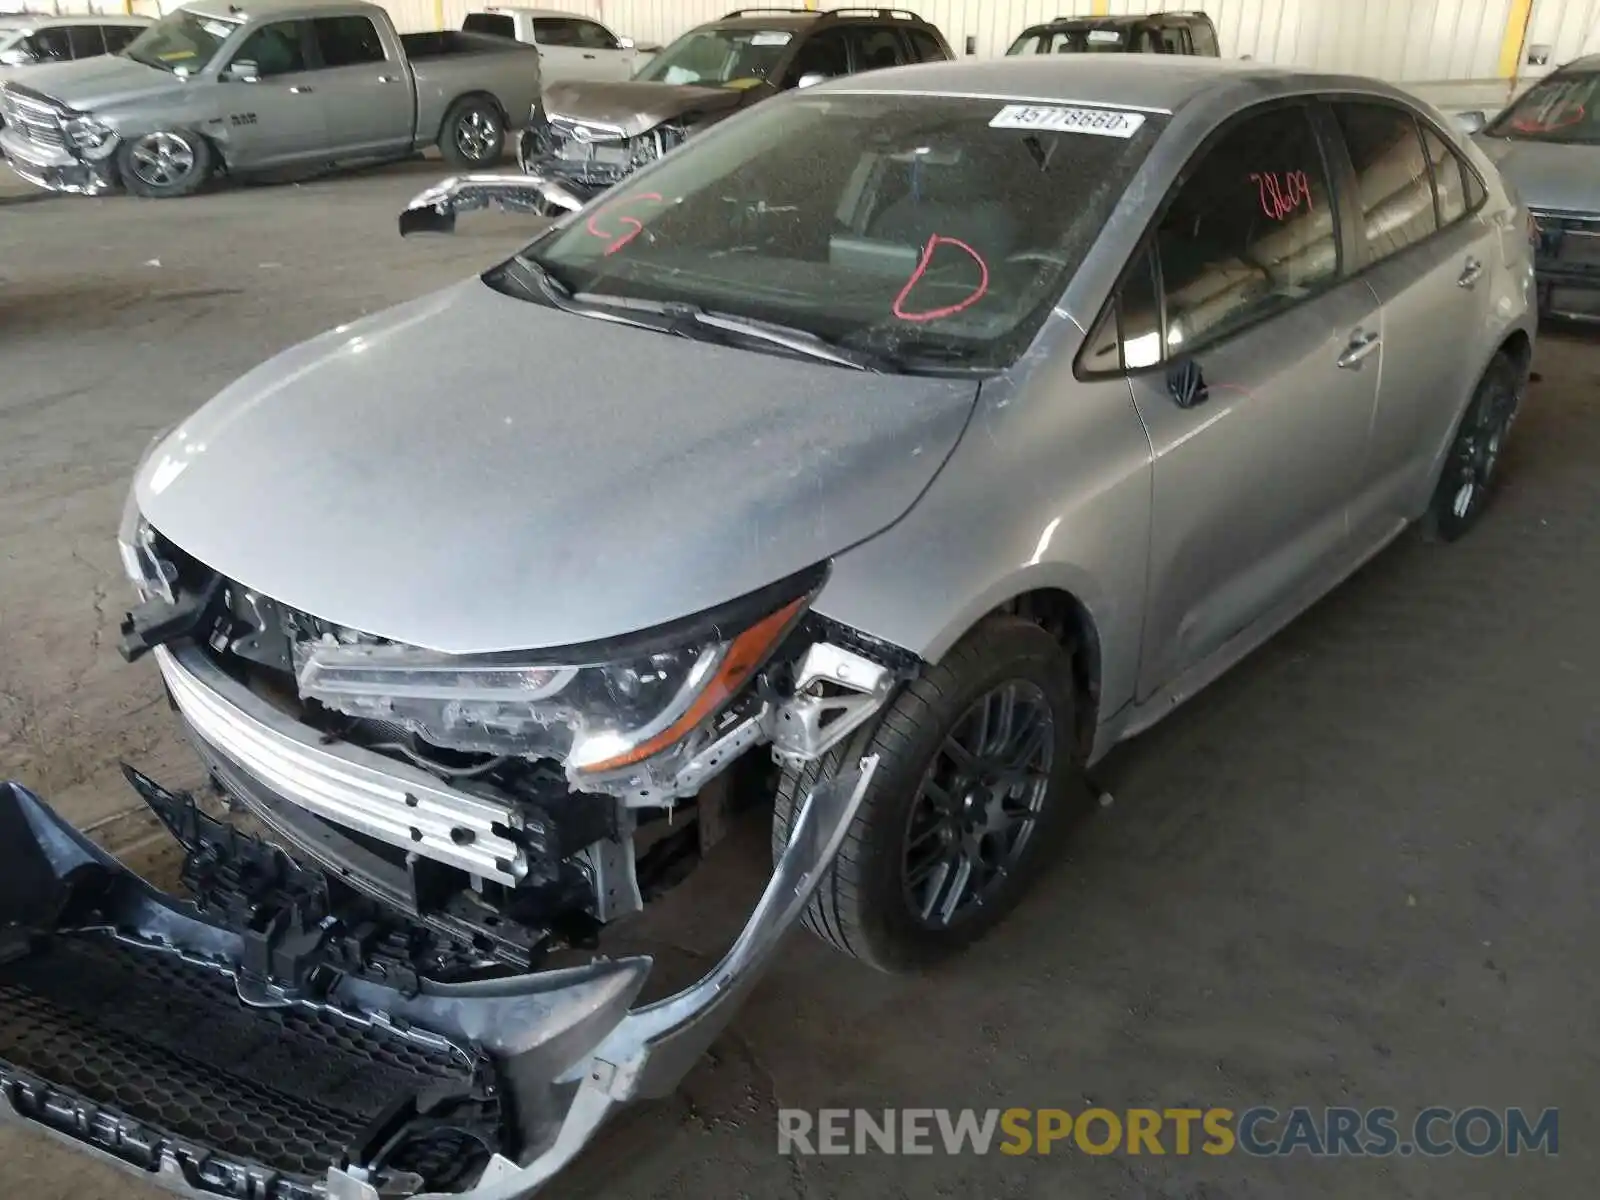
<point x="534" y="278"/>
<point x="800" y="341"/>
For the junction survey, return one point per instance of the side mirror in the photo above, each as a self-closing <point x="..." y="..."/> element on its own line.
<point x="242" y="70"/>
<point x="811" y="79"/>
<point x="1471" y="121"/>
<point x="625" y="43"/>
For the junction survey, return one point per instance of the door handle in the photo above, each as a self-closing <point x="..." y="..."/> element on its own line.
<point x="299" y="90"/>
<point x="1470" y="274"/>
<point x="386" y="78"/>
<point x="1361" y="344"/>
<point x="589" y="56"/>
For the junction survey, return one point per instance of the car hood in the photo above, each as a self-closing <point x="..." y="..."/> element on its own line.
<point x="471" y="472"/>
<point x="93" y="84"/>
<point x="1549" y="175"/>
<point x="635" y="107"/>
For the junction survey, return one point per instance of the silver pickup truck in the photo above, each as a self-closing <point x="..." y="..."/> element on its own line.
<point x="219" y="86"/>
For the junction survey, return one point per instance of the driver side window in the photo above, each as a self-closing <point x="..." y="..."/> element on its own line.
<point x="1250" y="231"/>
<point x="276" y="49"/>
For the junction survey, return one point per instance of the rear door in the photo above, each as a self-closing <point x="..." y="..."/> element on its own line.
<point x="366" y="99"/>
<point x="1253" y="361"/>
<point x="1427" y="258"/>
<point x="278" y="118"/>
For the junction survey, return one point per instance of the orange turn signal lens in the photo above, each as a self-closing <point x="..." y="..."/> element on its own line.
<point x="748" y="651"/>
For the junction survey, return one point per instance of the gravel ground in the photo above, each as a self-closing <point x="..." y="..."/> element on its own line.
<point x="1360" y="870"/>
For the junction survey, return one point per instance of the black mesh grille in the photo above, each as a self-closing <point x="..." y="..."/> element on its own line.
<point x="168" y="1044"/>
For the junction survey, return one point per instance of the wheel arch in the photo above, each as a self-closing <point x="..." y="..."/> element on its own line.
<point x="1516" y="346"/>
<point x="1065" y="616"/>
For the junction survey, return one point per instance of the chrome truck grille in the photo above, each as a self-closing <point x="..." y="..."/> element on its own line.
<point x="33" y="116"/>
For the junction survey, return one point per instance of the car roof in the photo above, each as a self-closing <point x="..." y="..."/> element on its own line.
<point x="1589" y="62"/>
<point x="1119" y="20"/>
<point x="1153" y="83"/>
<point x="27" y="20"/>
<point x="531" y="12"/>
<point x="244" y="10"/>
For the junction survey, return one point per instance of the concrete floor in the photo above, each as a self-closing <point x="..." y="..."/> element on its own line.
<point x="1360" y="870"/>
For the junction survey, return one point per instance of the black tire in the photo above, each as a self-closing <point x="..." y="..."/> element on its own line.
<point x="473" y="134"/>
<point x="863" y="905"/>
<point x="166" y="163"/>
<point x="1463" y="490"/>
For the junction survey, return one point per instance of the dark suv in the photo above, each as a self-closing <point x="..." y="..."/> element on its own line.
<point x="586" y="136"/>
<point x="1149" y="33"/>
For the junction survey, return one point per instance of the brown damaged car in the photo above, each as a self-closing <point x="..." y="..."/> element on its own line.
<point x="585" y="136"/>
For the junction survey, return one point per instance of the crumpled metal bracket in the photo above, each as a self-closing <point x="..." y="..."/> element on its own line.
<point x="434" y="209"/>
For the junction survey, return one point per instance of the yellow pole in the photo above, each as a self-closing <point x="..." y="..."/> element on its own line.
<point x="1102" y="8"/>
<point x="1516" y="34"/>
<point x="438" y="13"/>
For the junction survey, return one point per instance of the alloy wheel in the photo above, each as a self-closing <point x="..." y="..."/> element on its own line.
<point x="1478" y="449"/>
<point x="978" y="804"/>
<point x="476" y="133"/>
<point x="161" y="160"/>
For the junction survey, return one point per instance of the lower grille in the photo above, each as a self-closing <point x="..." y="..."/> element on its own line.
<point x="1568" y="240"/>
<point x="167" y="1044"/>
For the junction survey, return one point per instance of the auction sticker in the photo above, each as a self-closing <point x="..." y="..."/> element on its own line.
<point x="1102" y="122"/>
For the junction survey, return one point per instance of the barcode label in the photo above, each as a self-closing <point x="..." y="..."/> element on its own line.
<point x="1102" y="122"/>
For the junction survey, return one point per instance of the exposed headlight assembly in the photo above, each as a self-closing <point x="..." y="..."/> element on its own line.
<point x="600" y="717"/>
<point x="93" y="137"/>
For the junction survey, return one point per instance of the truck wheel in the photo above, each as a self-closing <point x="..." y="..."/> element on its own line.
<point x="1469" y="467"/>
<point x="474" y="133"/>
<point x="978" y="775"/>
<point x="164" y="164"/>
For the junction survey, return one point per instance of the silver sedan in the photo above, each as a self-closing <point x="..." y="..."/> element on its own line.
<point x="935" y="429"/>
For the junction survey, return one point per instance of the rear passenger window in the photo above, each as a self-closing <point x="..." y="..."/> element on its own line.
<point x="925" y="47"/>
<point x="1392" y="177"/>
<point x="1450" y="178"/>
<point x="118" y="36"/>
<point x="1250" y="231"/>
<point x="493" y="24"/>
<point x="348" y="41"/>
<point x="86" y="41"/>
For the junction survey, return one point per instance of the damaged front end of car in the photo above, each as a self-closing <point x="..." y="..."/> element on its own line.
<point x="397" y="991"/>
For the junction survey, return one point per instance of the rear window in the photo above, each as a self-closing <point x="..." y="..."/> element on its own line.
<point x="940" y="227"/>
<point x="1074" y="40"/>
<point x="497" y="24"/>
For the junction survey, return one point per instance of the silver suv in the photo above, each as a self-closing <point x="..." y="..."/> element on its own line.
<point x="888" y="454"/>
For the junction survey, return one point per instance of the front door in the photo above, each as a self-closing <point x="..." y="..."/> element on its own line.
<point x="1257" y="389"/>
<point x="366" y="96"/>
<point x="278" y="117"/>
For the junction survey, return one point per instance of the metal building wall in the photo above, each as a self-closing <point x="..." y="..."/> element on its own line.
<point x="1408" y="41"/>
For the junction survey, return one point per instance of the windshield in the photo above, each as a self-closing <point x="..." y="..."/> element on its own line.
<point x="1070" y="41"/>
<point x="735" y="58"/>
<point x="182" y="42"/>
<point x="932" y="227"/>
<point x="1563" y="108"/>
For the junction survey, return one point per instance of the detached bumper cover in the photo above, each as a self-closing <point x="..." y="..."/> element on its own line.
<point x="144" y="1033"/>
<point x="434" y="210"/>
